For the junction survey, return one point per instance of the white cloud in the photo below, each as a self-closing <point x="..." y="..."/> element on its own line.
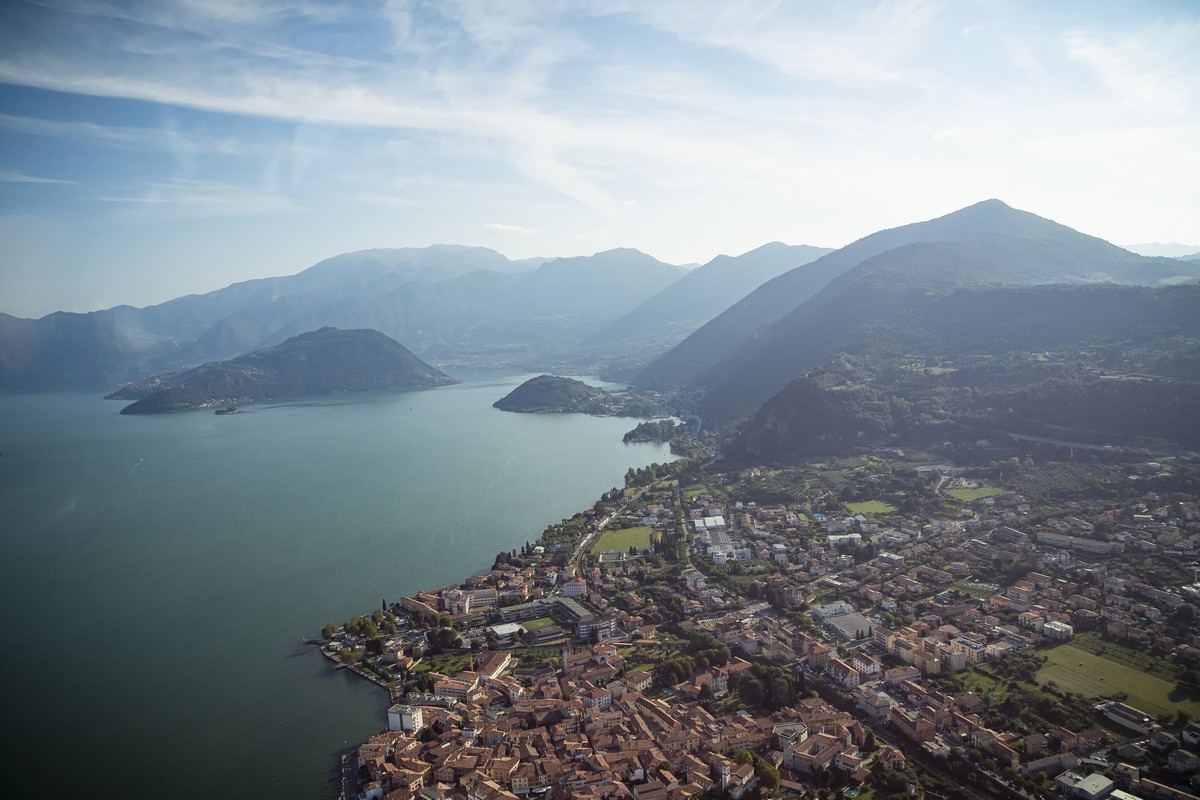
<point x="501" y="227"/>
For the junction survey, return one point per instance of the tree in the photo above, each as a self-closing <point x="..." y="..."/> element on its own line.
<point x="768" y="775"/>
<point x="751" y="691"/>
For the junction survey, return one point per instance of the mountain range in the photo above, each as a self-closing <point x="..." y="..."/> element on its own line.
<point x="794" y="322"/>
<point x="907" y="330"/>
<point x="448" y="303"/>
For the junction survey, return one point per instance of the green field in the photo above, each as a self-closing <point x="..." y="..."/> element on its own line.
<point x="1076" y="670"/>
<point x="638" y="537"/>
<point x="1142" y="661"/>
<point x="535" y="624"/>
<point x="445" y="663"/>
<point x="978" y="493"/>
<point x="871" y="507"/>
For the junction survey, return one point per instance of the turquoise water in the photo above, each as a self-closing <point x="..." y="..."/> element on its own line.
<point x="159" y="573"/>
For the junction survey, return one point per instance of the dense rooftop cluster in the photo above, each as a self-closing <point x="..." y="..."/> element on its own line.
<point x="784" y="646"/>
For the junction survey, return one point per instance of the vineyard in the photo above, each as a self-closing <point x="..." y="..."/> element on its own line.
<point x="1065" y="481"/>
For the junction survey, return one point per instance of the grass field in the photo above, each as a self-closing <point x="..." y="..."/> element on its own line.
<point x="445" y="663"/>
<point x="1076" y="670"/>
<point x="535" y="624"/>
<point x="638" y="537"/>
<point x="871" y="507"/>
<point x="970" y="495"/>
<point x="1158" y="666"/>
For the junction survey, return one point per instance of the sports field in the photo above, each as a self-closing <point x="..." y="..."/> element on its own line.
<point x="537" y="624"/>
<point x="638" y="537"/>
<point x="970" y="494"/>
<point x="1076" y="670"/>
<point x="871" y="507"/>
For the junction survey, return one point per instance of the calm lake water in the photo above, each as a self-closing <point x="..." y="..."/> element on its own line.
<point x="159" y="573"/>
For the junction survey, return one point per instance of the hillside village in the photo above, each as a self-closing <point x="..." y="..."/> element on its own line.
<point x="804" y="647"/>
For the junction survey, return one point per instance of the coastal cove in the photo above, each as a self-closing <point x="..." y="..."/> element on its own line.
<point x="162" y="572"/>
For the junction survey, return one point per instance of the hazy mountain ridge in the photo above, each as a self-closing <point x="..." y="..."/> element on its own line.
<point x="445" y="299"/>
<point x="709" y="289"/>
<point x="66" y="350"/>
<point x="665" y="319"/>
<point x="319" y="362"/>
<point x="536" y="313"/>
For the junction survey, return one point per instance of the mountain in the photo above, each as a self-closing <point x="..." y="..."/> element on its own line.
<point x="708" y="290"/>
<point x="262" y="318"/>
<point x="447" y="301"/>
<point x="320" y="362"/>
<point x="534" y="315"/>
<point x="552" y="394"/>
<point x="889" y="273"/>
<point x="665" y="318"/>
<point x="1105" y="364"/>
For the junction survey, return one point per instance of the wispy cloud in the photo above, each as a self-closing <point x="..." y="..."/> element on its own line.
<point x="383" y="199"/>
<point x="855" y="44"/>
<point x="1154" y="68"/>
<point x="199" y="198"/>
<point x="729" y="121"/>
<point x="167" y="136"/>
<point x="501" y="227"/>
<point x="8" y="176"/>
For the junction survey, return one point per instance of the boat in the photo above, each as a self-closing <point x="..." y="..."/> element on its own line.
<point x="229" y="410"/>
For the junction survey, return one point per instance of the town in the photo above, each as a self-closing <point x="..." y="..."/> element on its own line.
<point x="878" y="625"/>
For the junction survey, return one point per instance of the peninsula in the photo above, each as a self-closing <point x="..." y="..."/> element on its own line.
<point x="319" y="362"/>
<point x="552" y="394"/>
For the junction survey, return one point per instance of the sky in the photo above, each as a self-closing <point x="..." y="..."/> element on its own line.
<point x="150" y="150"/>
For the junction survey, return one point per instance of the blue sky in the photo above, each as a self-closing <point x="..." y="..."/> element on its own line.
<point x="149" y="150"/>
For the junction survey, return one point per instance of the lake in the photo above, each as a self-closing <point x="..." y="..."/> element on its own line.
<point x="160" y="572"/>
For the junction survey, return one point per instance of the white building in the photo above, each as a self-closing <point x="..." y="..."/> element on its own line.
<point x="1057" y="630"/>
<point x="406" y="718"/>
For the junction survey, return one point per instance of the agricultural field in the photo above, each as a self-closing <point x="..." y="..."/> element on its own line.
<point x="1074" y="669"/>
<point x="1059" y="479"/>
<point x="969" y="494"/>
<point x="871" y="507"/>
<point x="637" y="536"/>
